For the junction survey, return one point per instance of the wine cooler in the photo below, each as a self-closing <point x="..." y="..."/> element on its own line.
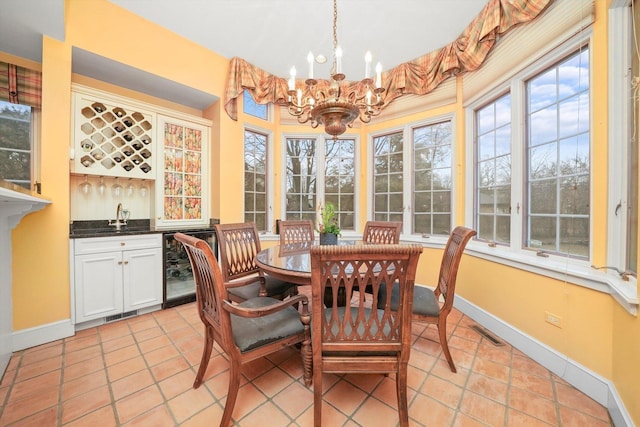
<point x="179" y="286"/>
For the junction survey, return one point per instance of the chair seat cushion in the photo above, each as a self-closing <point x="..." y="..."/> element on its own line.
<point x="274" y="287"/>
<point x="250" y="333"/>
<point x="424" y="300"/>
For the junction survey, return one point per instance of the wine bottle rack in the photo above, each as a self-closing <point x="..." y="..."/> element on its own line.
<point x="112" y="139"/>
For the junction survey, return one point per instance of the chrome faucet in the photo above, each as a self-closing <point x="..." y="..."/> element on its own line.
<point x="118" y="223"/>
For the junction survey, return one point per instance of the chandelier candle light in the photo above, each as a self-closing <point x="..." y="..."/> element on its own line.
<point x="334" y="109"/>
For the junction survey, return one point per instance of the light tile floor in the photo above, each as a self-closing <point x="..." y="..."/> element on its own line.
<point x="139" y="372"/>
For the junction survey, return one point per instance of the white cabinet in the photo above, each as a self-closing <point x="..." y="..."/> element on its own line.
<point x="115" y="275"/>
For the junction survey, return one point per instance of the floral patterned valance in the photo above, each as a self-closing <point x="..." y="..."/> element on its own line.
<point x="419" y="77"/>
<point x="20" y="85"/>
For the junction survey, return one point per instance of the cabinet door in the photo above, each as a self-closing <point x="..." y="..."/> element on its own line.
<point x="142" y="271"/>
<point x="182" y="191"/>
<point x="98" y="282"/>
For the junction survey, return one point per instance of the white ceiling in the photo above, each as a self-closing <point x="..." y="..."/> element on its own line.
<point x="271" y="34"/>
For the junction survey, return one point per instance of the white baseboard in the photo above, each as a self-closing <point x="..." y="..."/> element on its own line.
<point x="43" y="334"/>
<point x="590" y="383"/>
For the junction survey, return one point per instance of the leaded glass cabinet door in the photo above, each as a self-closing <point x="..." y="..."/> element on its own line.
<point x="182" y="194"/>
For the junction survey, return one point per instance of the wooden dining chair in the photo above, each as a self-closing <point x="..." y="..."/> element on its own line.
<point x="433" y="306"/>
<point x="238" y="245"/>
<point x="247" y="331"/>
<point x="382" y="232"/>
<point x="359" y="338"/>
<point x="296" y="231"/>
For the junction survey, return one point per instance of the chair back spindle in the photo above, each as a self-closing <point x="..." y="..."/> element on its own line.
<point x="382" y="232"/>
<point x="294" y="231"/>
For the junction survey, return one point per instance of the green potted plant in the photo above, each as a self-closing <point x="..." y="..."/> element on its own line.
<point x="327" y="224"/>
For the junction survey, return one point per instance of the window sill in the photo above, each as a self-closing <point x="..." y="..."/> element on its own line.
<point x="569" y="270"/>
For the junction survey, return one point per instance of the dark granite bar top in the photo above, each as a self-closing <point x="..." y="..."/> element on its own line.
<point x="99" y="228"/>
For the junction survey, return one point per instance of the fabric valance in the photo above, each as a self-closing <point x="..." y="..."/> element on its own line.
<point x="419" y="76"/>
<point x="20" y="85"/>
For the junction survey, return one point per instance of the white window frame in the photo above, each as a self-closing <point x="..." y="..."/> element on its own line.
<point x="34" y="151"/>
<point x="620" y="111"/>
<point x="270" y="223"/>
<point x="320" y="173"/>
<point x="560" y="267"/>
<point x="407" y="176"/>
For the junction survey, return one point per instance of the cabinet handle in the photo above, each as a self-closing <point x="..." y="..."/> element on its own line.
<point x="122" y="243"/>
<point x="126" y="262"/>
<point x="119" y="262"/>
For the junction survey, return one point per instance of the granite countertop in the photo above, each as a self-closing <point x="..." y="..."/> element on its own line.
<point x="99" y="228"/>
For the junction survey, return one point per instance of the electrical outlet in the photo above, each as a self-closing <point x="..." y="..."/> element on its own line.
<point x="554" y="319"/>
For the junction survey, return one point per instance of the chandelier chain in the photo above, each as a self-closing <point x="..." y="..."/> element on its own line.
<point x="335" y="25"/>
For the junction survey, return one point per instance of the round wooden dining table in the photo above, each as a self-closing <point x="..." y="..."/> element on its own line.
<point x="290" y="262"/>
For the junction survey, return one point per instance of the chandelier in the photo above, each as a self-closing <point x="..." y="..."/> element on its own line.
<point x="332" y="107"/>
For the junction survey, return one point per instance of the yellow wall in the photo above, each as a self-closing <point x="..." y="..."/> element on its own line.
<point x="41" y="283"/>
<point x="596" y="332"/>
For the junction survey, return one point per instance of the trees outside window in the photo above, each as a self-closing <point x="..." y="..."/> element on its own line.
<point x="558" y="153"/>
<point x="493" y="171"/>
<point x="412" y="181"/>
<point x="320" y="171"/>
<point x="255" y="179"/>
<point x="16" y="144"/>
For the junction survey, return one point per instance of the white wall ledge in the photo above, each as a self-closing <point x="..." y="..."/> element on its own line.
<point x="569" y="270"/>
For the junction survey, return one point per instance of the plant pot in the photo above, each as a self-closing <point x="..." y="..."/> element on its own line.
<point x="328" y="239"/>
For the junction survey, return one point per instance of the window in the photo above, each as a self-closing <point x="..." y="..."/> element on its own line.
<point x="339" y="180"/>
<point x="249" y="106"/>
<point x="16" y="151"/>
<point x="532" y="185"/>
<point x="321" y="171"/>
<point x="558" y="158"/>
<point x="255" y="179"/>
<point x="432" y="183"/>
<point x="493" y="171"/>
<point x="301" y="179"/>
<point x="425" y="186"/>
<point x="388" y="177"/>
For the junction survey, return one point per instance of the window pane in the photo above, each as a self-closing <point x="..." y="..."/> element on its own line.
<point x="543" y="161"/>
<point x="543" y="196"/>
<point x="543" y="126"/>
<point x="558" y="123"/>
<point x="574" y="236"/>
<point x="250" y="106"/>
<point x="493" y="179"/>
<point x="574" y="192"/>
<point x="339" y="179"/>
<point x="15" y="143"/>
<point x="255" y="178"/>
<point x="503" y="229"/>
<point x="301" y="178"/>
<point x="387" y="177"/>
<point x="432" y="174"/>
<point x="543" y="233"/>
